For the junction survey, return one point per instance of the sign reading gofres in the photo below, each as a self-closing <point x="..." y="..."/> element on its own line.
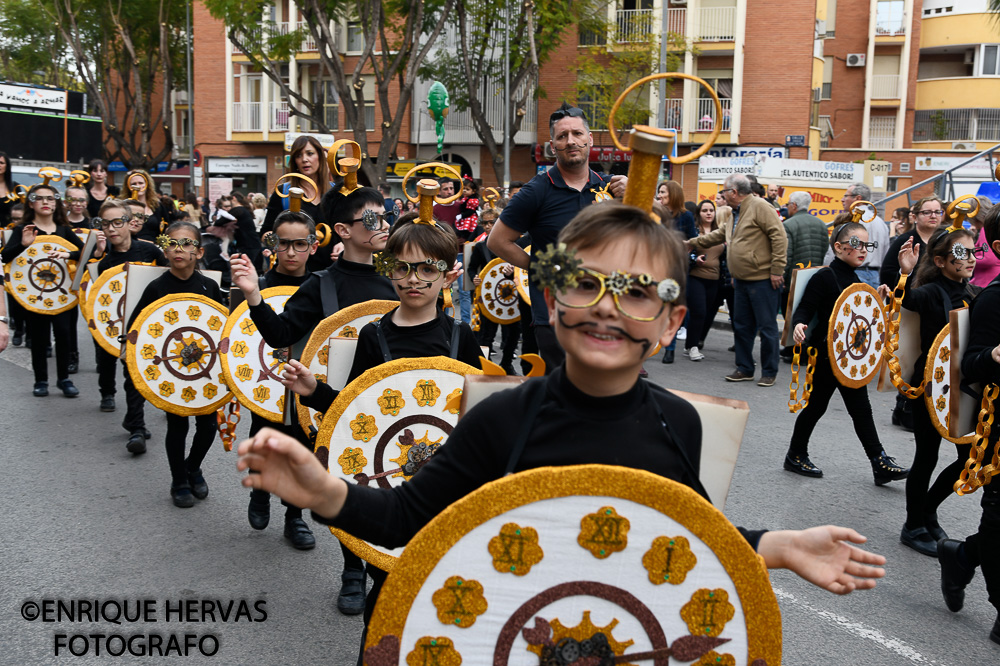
<point x="35" y="98"/>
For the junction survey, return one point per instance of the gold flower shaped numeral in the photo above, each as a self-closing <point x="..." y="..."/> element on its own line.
<point x="171" y="316"/>
<point x="352" y="461"/>
<point x="155" y="329"/>
<point x="391" y="401"/>
<point x="603" y="532"/>
<point x="348" y="332"/>
<point x="243" y="372"/>
<point x="166" y="389"/>
<point x="148" y="352"/>
<point x="708" y="611"/>
<point x="324" y="354"/>
<point x="459" y="602"/>
<point x="115" y="287"/>
<point x="363" y="427"/>
<point x="713" y="658"/>
<point x="262" y="394"/>
<point x="938" y="375"/>
<point x="214" y="323"/>
<point x="944" y="354"/>
<point x="193" y="312"/>
<point x="152" y="373"/>
<point x="515" y="550"/>
<point x="240" y="349"/>
<point x="210" y="391"/>
<point x="669" y="560"/>
<point x="188" y="394"/>
<point x="248" y="327"/>
<point x="104" y="300"/>
<point x="426" y="392"/>
<point x="433" y="650"/>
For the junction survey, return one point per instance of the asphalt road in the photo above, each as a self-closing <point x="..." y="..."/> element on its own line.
<point x="83" y="519"/>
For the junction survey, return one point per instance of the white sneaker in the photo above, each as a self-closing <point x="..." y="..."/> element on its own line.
<point x="696" y="354"/>
<point x="682" y="333"/>
<point x="686" y="352"/>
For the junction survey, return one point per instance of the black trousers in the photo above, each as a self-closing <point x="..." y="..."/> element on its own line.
<point x="528" y="343"/>
<point x="17" y="315"/>
<point x="701" y="294"/>
<point x="63" y="328"/>
<point x="548" y="346"/>
<point x="509" y="334"/>
<point x="983" y="548"/>
<point x="724" y="293"/>
<point x="855" y="399"/>
<point x="176" y="440"/>
<point x="922" y="498"/>
<point x="107" y="367"/>
<point x="257" y="423"/>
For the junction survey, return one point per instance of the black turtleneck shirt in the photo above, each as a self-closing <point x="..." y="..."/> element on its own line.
<point x="571" y="428"/>
<point x="356" y="283"/>
<point x="928" y="300"/>
<point x="818" y="299"/>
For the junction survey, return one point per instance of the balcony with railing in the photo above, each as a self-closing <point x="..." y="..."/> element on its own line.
<point x="885" y="86"/>
<point x="246" y="117"/>
<point x="633" y="25"/>
<point x="279" y="116"/>
<point x="979" y="124"/>
<point x="258" y="36"/>
<point x="890" y="27"/>
<point x="882" y="133"/>
<point x="715" y="24"/>
<point x="677" y="21"/>
<point x="705" y="117"/>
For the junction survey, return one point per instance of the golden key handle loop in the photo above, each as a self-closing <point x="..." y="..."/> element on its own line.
<point x="863" y="211"/>
<point x="297" y="194"/>
<point x="50" y="175"/>
<point x="79" y="177"/>
<point x="427" y="190"/>
<point x="346" y="167"/>
<point x="961" y="209"/>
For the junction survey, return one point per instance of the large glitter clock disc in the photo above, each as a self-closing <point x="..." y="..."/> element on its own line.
<point x="386" y="424"/>
<point x="498" y="293"/>
<point x="172" y="353"/>
<point x="577" y="565"/>
<point x="40" y="284"/>
<point x="856" y="336"/>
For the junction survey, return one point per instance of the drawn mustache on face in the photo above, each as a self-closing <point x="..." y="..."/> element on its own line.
<point x="642" y="342"/>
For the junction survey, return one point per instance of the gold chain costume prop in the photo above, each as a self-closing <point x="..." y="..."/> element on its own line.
<point x="385" y="425"/>
<point x="345" y="323"/>
<point x="251" y="368"/>
<point x="172" y="352"/>
<point x="40" y="283"/>
<point x="581" y="564"/>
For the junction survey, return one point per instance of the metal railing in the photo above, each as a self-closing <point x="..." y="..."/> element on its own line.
<point x="944" y="182"/>
<point x="890" y="27"/>
<point x="246" y="117"/>
<point x="716" y="24"/>
<point x="279" y="116"/>
<point x="633" y="25"/>
<point x="677" y="21"/>
<point x="705" y="118"/>
<point x="882" y="133"/>
<point x="885" y="86"/>
<point x="675" y="114"/>
<point x="957" y="125"/>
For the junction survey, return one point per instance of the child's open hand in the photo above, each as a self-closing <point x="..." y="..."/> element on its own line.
<point x="298" y="379"/>
<point x="243" y="274"/>
<point x="799" y="334"/>
<point x="281" y="465"/>
<point x="908" y="256"/>
<point x="823" y="556"/>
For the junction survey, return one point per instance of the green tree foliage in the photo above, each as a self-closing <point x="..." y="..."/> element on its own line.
<point x="128" y="56"/>
<point x="31" y="49"/>
<point x="473" y="73"/>
<point x="397" y="36"/>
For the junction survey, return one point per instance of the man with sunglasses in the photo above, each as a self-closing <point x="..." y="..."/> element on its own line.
<point x="547" y="204"/>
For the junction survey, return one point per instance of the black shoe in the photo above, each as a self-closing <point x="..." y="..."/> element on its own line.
<point x="147" y="434"/>
<point x="995" y="632"/>
<point x="351" y="600"/>
<point x="668" y="355"/>
<point x="300" y="535"/>
<point x="108" y="403"/>
<point x="136" y="443"/>
<point x="48" y="352"/>
<point x="17" y="338"/>
<point x="259" y="510"/>
<point x="182" y="496"/>
<point x="198" y="486"/>
<point x="74" y="363"/>
<point x="933" y="528"/>
<point x="731" y="348"/>
<point x="41" y="389"/>
<point x="800" y="464"/>
<point x="903" y="419"/>
<point x="954" y="576"/>
<point x="886" y="469"/>
<point x="919" y="539"/>
<point x="67" y="388"/>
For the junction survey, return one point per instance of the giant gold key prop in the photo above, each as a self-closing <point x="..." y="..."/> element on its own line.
<point x="490" y="198"/>
<point x="345" y="167"/>
<point x="50" y="175"/>
<point x="427" y="191"/>
<point x="863" y="211"/>
<point x="650" y="144"/>
<point x="78" y="178"/>
<point x="961" y="209"/>
<point x="295" y="195"/>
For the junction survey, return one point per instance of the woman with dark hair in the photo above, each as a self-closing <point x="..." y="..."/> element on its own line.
<point x="703" y="284"/>
<point x="683" y="221"/>
<point x="7" y="186"/>
<point x="45" y="216"/>
<point x="193" y="210"/>
<point x="99" y="188"/>
<point x="158" y="212"/>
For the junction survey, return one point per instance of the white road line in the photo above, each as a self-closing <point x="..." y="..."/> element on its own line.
<point x="860" y="630"/>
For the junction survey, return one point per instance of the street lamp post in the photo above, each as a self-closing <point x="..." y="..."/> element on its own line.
<point x="190" y="96"/>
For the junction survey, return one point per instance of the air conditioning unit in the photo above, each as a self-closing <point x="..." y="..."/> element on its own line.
<point x="856" y="59"/>
<point x="678" y="3"/>
<point x="963" y="145"/>
<point x="547" y="152"/>
<point x="970" y="57"/>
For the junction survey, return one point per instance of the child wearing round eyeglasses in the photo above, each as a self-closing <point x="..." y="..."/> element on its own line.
<point x="114" y="220"/>
<point x="850" y="247"/>
<point x="181" y="244"/>
<point x="45" y="215"/>
<point x="938" y="283"/>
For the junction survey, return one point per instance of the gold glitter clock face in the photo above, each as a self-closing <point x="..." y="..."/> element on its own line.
<point x="857" y="331"/>
<point x="106" y="308"/>
<point x="173" y="355"/>
<point x="498" y="293"/>
<point x="558" y="565"/>
<point x="252" y="368"/>
<point x="386" y="424"/>
<point x="344" y="323"/>
<point x="41" y="284"/>
<point x="938" y="387"/>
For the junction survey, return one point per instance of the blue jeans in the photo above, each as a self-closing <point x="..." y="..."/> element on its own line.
<point x="462" y="297"/>
<point x="869" y="276"/>
<point x="756" y="311"/>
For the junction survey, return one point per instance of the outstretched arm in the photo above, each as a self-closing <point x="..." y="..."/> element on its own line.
<point x="823" y="556"/>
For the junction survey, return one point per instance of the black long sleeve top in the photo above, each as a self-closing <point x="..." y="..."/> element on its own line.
<point x="164" y="212"/>
<point x="818" y="299"/>
<point x="423" y="340"/>
<point x="978" y="366"/>
<point x="927" y="301"/>
<point x="356" y="283"/>
<point x="889" y="273"/>
<point x="138" y="251"/>
<point x="572" y="428"/>
<point x="321" y="259"/>
<point x="14" y="246"/>
<point x="168" y="284"/>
